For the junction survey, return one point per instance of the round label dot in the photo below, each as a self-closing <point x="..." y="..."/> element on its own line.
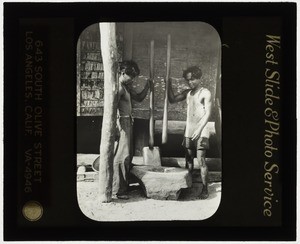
<point x="32" y="211"/>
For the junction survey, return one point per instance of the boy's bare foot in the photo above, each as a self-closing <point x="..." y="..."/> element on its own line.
<point x="122" y="197"/>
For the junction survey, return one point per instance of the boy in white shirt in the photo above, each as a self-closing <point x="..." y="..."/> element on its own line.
<point x="196" y="136"/>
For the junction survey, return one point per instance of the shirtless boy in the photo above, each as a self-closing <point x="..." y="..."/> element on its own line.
<point x="123" y="152"/>
<point x="199" y="106"/>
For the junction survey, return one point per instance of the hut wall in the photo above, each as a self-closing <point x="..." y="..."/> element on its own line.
<point x="193" y="43"/>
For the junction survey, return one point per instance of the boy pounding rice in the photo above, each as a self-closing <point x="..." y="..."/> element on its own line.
<point x="123" y="155"/>
<point x="199" y="106"/>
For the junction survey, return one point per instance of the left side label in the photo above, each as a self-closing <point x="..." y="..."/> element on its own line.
<point x="33" y="117"/>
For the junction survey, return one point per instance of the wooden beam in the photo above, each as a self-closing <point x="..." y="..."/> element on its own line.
<point x="86" y="159"/>
<point x="178" y="127"/>
<point x="213" y="176"/>
<point x="213" y="164"/>
<point x="110" y="63"/>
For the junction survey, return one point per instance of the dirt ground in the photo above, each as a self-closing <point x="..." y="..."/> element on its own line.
<point x="140" y="208"/>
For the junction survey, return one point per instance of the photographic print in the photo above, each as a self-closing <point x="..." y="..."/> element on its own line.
<point x="166" y="162"/>
<point x="149" y="121"/>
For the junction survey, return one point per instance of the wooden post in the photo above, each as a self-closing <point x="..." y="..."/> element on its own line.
<point x="165" y="115"/>
<point x="110" y="64"/>
<point x="151" y="120"/>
